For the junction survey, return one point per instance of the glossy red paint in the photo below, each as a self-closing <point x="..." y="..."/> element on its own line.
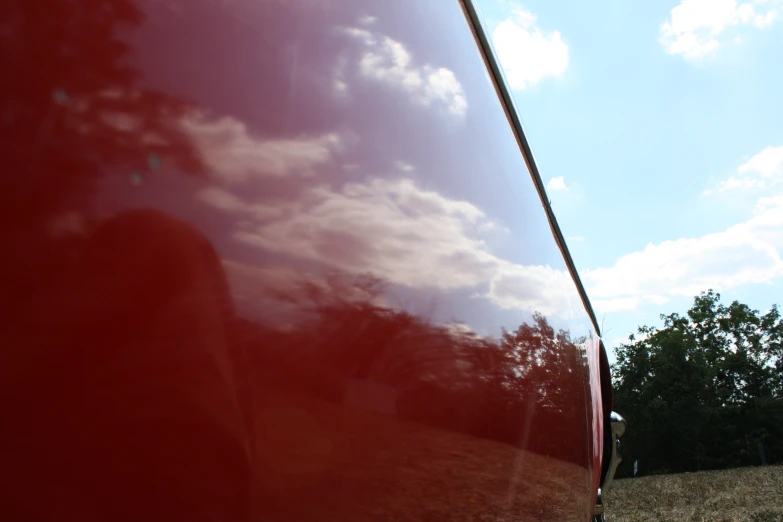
<point x="278" y="260"/>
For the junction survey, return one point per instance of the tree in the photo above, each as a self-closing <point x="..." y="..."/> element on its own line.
<point x="702" y="391"/>
<point x="74" y="112"/>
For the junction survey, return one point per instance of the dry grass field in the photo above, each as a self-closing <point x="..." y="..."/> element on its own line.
<point x="745" y="494"/>
<point x="323" y="462"/>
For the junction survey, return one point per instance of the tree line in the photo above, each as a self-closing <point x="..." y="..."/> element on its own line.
<point x="442" y="376"/>
<point x="704" y="391"/>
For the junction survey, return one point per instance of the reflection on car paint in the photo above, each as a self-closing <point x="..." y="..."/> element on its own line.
<point x="294" y="270"/>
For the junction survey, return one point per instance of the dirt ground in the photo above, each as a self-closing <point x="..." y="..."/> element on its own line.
<point x="745" y="494"/>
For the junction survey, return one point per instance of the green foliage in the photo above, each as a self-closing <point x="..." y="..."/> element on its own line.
<point x="702" y="391"/>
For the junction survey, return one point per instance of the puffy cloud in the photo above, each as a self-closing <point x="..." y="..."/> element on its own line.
<point x="767" y="221"/>
<point x="748" y="252"/>
<point x="540" y="288"/>
<point x="557" y="183"/>
<point x="766" y="19"/>
<point x="527" y="53"/>
<point x="274" y="294"/>
<point x="404" y="166"/>
<point x="388" y="227"/>
<point x="762" y="171"/>
<point x="367" y="20"/>
<point x="394" y="229"/>
<point x="617" y="341"/>
<point x="742" y="254"/>
<point x="235" y="154"/>
<point x="617" y="304"/>
<point x="389" y="62"/>
<point x="697" y="28"/>
<point x="768" y="163"/>
<point x="226" y="146"/>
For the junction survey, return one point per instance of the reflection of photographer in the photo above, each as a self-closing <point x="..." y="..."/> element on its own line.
<point x="134" y="412"/>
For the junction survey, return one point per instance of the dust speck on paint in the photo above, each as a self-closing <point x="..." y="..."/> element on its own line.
<point x="154" y="161"/>
<point x="136" y="179"/>
<point x="60" y="96"/>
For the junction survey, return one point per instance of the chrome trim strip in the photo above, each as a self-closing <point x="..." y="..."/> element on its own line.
<point x="498" y="79"/>
<point x="618" y="430"/>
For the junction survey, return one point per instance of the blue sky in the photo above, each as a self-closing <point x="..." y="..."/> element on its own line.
<point x="658" y="127"/>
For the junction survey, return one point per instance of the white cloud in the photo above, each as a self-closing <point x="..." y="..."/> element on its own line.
<point x="766" y="19"/>
<point x="748" y="252"/>
<point x="389" y="62"/>
<point x="767" y="221"/>
<point x="768" y="163"/>
<point x="539" y="288"/>
<point x="762" y="171"/>
<point x="402" y="233"/>
<point x="656" y="299"/>
<point x="235" y="154"/>
<point x="742" y="254"/>
<point x="388" y="227"/>
<point x="557" y="183"/>
<point x="527" y="53"/>
<point x="368" y="20"/>
<point x="698" y="28"/>
<point x="616" y="304"/>
<point x="617" y="341"/>
<point x="339" y="81"/>
<point x="276" y="294"/>
<point x="404" y="166"/>
<point x="226" y="146"/>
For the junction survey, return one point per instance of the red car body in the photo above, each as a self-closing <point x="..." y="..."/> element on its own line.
<point x="282" y="260"/>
